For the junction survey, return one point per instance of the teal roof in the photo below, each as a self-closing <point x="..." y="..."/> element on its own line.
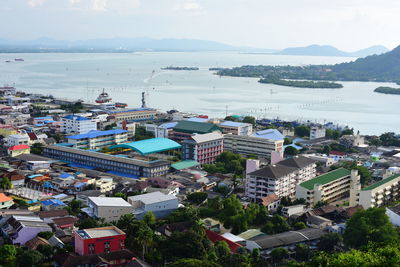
<point x="381" y="182"/>
<point x="195" y="127"/>
<point x="184" y="164"/>
<point x="326" y="178"/>
<point x="150" y="146"/>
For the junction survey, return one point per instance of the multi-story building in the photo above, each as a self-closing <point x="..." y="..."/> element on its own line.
<point x="99" y="240"/>
<point x="158" y="203"/>
<point x="250" y="145"/>
<point x="317" y="132"/>
<point x="98" y="139"/>
<point x="108" y="208"/>
<point x="280" y="179"/>
<point x="185" y="129"/>
<point x="133" y="115"/>
<point x="14" y="151"/>
<point x="77" y="124"/>
<point x="381" y="193"/>
<point x="160" y="130"/>
<point x="329" y="187"/>
<point x="203" y="148"/>
<point x="236" y="128"/>
<point x="134" y="167"/>
<point x="17" y="139"/>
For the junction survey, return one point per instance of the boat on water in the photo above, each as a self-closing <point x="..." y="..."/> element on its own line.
<point x="8" y="61"/>
<point x="120" y="105"/>
<point x="179" y="68"/>
<point x="103" y="98"/>
<point x="18" y="59"/>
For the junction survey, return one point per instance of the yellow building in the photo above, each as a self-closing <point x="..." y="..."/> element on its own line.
<point x="18" y="150"/>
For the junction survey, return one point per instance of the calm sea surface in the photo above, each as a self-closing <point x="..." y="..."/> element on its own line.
<point x="125" y="76"/>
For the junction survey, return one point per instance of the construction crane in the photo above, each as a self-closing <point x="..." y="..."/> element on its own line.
<point x="145" y="95"/>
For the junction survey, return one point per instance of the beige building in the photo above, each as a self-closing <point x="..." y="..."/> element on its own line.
<point x="249" y="145"/>
<point x="330" y="187"/>
<point x="236" y="128"/>
<point x="108" y="208"/>
<point x="381" y="193"/>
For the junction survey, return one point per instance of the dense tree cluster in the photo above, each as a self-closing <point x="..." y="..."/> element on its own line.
<point x="301" y="84"/>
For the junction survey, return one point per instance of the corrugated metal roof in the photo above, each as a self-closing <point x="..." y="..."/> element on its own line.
<point x="233" y="124"/>
<point x="381" y="182"/>
<point x="195" y="127"/>
<point x="75" y="117"/>
<point x="94" y="134"/>
<point x="184" y="164"/>
<point x="150" y="146"/>
<point x="272" y="134"/>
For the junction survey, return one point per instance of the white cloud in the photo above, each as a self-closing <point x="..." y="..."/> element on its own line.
<point x="35" y="3"/>
<point x="191" y="5"/>
<point x="99" y="5"/>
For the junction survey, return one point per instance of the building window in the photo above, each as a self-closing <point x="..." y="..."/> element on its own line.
<point x="107" y="247"/>
<point x="91" y="248"/>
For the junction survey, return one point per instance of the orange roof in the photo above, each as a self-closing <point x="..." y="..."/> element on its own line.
<point x="214" y="237"/>
<point x="4" y="198"/>
<point x="271" y="198"/>
<point x="18" y="147"/>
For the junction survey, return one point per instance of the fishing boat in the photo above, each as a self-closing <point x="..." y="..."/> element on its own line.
<point x="18" y="59"/>
<point x="120" y="105"/>
<point x="103" y="98"/>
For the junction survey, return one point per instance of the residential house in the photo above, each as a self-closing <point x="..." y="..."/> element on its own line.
<point x="5" y="201"/>
<point x="21" y="229"/>
<point x="17" y="150"/>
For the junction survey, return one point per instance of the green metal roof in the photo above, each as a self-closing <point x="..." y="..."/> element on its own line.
<point x="326" y="178"/>
<point x="381" y="182"/>
<point x="184" y="164"/>
<point x="150" y="146"/>
<point x="195" y="127"/>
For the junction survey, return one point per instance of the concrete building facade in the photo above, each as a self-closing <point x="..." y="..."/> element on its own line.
<point x="98" y="139"/>
<point x="381" y="193"/>
<point x="77" y="124"/>
<point x="236" y="128"/>
<point x="203" y="148"/>
<point x="108" y="208"/>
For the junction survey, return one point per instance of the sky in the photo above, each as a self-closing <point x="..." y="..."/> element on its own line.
<point x="346" y="24"/>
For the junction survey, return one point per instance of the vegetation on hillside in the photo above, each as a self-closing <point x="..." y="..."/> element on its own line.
<point x="301" y="84"/>
<point x="387" y="90"/>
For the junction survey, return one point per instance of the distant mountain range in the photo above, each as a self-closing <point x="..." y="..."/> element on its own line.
<point x="327" y="50"/>
<point x="121" y="45"/>
<point x="43" y="45"/>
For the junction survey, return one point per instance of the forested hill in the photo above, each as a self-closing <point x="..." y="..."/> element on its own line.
<point x="384" y="67"/>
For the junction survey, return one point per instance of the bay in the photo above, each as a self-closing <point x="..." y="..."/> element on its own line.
<point x="124" y="76"/>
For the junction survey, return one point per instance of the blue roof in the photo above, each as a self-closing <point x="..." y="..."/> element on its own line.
<point x="79" y="185"/>
<point x="94" y="134"/>
<point x="65" y="144"/>
<point x="150" y="146"/>
<point x="272" y="134"/>
<point x="60" y="196"/>
<point x="34" y="175"/>
<point x="43" y="118"/>
<point x="232" y="124"/>
<point x="169" y="125"/>
<point x="123" y="174"/>
<point x="76" y="165"/>
<point x="48" y="184"/>
<point x="293" y="145"/>
<point x="53" y="202"/>
<point x="64" y="175"/>
<point x="75" y="117"/>
<point x="195" y="119"/>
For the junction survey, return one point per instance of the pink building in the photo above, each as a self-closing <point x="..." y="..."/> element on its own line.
<point x="203" y="148"/>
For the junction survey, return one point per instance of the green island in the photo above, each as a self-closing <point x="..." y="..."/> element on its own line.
<point x="375" y="68"/>
<point x="388" y="90"/>
<point x="300" y="84"/>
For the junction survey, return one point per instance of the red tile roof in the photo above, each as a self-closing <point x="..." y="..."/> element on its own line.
<point x="4" y="198"/>
<point x="18" y="147"/>
<point x="271" y="198"/>
<point x="214" y="237"/>
<point x="337" y="153"/>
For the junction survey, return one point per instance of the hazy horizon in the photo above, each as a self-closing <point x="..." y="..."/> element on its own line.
<point x="348" y="25"/>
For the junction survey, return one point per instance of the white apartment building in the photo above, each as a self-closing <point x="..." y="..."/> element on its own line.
<point x="280" y="179"/>
<point x="17" y="139"/>
<point x="380" y="193"/>
<point x="236" y="128"/>
<point x="317" y="132"/>
<point x="156" y="202"/>
<point x="250" y="145"/>
<point x="77" y="124"/>
<point x="330" y="187"/>
<point x="108" y="208"/>
<point x="98" y="139"/>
